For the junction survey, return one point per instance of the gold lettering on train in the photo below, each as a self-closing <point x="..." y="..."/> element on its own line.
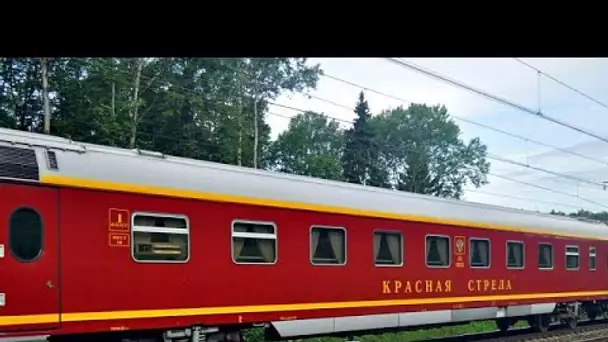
<point x="416" y="286"/>
<point x="492" y="285"/>
<point x="398" y="286"/>
<point x="444" y="286"/>
<point x="386" y="286"/>
<point x="408" y="287"/>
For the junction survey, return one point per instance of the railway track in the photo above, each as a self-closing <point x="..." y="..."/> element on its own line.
<point x="585" y="332"/>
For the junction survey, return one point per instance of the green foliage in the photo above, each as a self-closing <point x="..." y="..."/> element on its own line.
<point x="585" y="214"/>
<point x="360" y="159"/>
<point x="210" y="109"/>
<point x="20" y="102"/>
<point x="311" y="146"/>
<point x="422" y="152"/>
<point x="214" y="109"/>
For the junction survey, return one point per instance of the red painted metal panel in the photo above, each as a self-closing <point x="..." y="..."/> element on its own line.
<point x="101" y="277"/>
<point x="99" y="274"/>
<point x="30" y="288"/>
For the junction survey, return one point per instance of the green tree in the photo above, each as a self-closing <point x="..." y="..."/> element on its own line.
<point x="204" y="108"/>
<point x="423" y="153"/>
<point x="360" y="160"/>
<point x="90" y="99"/>
<point x="585" y="214"/>
<point x="20" y="102"/>
<point x="266" y="78"/>
<point x="311" y="146"/>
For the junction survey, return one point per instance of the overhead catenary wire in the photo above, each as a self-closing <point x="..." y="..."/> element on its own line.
<point x="489" y="155"/>
<point x="604" y="163"/>
<point x="152" y="79"/>
<point x="494" y="129"/>
<point x="589" y="97"/>
<point x="175" y="138"/>
<point x="509" y="178"/>
<point x="489" y="193"/>
<point x="178" y="139"/>
<point x="335" y="78"/>
<point x="550" y="190"/>
<point x="575" y="196"/>
<point x="558" y="174"/>
<point x="496" y="98"/>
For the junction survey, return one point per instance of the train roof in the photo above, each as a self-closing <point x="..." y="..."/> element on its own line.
<point x="101" y="167"/>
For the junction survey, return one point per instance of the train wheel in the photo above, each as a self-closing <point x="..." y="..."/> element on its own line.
<point x="572" y="322"/>
<point x="542" y="323"/>
<point x="503" y="324"/>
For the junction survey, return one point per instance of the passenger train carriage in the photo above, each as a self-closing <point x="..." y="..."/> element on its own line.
<point x="127" y="243"/>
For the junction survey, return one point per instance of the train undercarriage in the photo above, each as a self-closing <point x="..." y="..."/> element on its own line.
<point x="564" y="313"/>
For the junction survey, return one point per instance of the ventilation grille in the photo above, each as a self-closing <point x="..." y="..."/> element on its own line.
<point x="18" y="163"/>
<point x="52" y="159"/>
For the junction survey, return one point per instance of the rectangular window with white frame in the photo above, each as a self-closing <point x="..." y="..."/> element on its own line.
<point x="592" y="258"/>
<point x="437" y="250"/>
<point x="479" y="253"/>
<point x="254" y="242"/>
<point x="327" y="245"/>
<point x="515" y="254"/>
<point x="388" y="248"/>
<point x="161" y="238"/>
<point x="572" y="258"/>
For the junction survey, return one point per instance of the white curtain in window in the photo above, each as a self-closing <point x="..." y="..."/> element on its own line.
<point x="547" y="254"/>
<point x="238" y="244"/>
<point x="442" y="248"/>
<point x="314" y="241"/>
<point x="336" y="239"/>
<point x="483" y="252"/>
<point x="394" y="246"/>
<point x="266" y="247"/>
<point x="517" y="254"/>
<point x="377" y="241"/>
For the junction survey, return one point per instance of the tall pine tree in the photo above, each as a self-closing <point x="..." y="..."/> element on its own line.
<point x="360" y="158"/>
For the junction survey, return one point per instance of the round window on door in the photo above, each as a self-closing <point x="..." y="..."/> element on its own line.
<point x="25" y="234"/>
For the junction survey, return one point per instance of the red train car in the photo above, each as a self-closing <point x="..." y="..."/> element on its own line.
<point x="118" y="243"/>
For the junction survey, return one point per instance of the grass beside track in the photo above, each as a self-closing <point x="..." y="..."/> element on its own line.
<point x="257" y="335"/>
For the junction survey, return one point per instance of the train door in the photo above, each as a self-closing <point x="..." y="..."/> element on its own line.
<point x="29" y="259"/>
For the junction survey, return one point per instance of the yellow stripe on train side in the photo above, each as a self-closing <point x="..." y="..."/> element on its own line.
<point x="178" y="193"/>
<point x="160" y="313"/>
<point x="30" y="319"/>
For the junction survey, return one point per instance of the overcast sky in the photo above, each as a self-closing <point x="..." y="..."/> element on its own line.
<point x="504" y="77"/>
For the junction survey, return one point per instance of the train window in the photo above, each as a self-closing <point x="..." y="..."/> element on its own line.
<point x="160" y="238"/>
<point x="479" y="255"/>
<point x="592" y="257"/>
<point x="327" y="246"/>
<point x="254" y="242"/>
<point x="388" y="249"/>
<point x="572" y="262"/>
<point x="25" y="234"/>
<point x="437" y="251"/>
<point x="545" y="256"/>
<point x="515" y="254"/>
